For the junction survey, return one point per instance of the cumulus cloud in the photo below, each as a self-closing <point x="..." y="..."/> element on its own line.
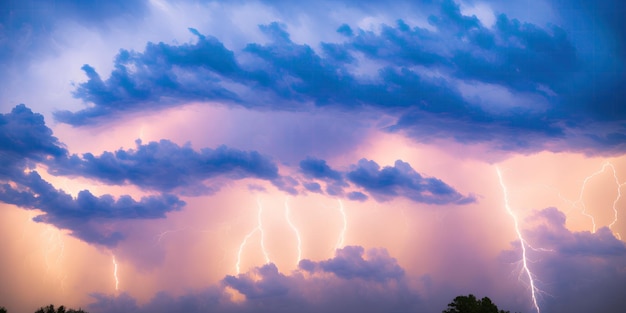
<point x="313" y="187"/>
<point x="317" y="168"/>
<point x="166" y="166"/>
<point x="25" y="136"/>
<point x="357" y="196"/>
<point x="162" y="74"/>
<point x="403" y="181"/>
<point x="570" y="267"/>
<point x="334" y="285"/>
<point x="86" y="216"/>
<point x="350" y="264"/>
<point x="422" y="81"/>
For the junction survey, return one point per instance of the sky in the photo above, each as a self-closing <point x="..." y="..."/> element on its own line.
<point x="320" y="156"/>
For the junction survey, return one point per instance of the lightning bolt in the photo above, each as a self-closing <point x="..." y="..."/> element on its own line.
<point x="53" y="253"/>
<point x="117" y="280"/>
<point x="258" y="228"/>
<point x="243" y="243"/>
<point x="533" y="289"/>
<point x="342" y="234"/>
<point x="579" y="203"/>
<point x="55" y="244"/>
<point x="295" y="230"/>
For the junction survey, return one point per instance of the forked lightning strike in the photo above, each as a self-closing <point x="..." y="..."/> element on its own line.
<point x="533" y="288"/>
<point x="295" y="230"/>
<point x="579" y="203"/>
<point x="55" y="244"/>
<point x="258" y="228"/>
<point x="117" y="280"/>
<point x="243" y="243"/>
<point x="342" y="235"/>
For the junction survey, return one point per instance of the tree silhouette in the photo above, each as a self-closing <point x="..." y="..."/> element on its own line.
<point x="3" y="309"/>
<point x="469" y="304"/>
<point x="61" y="309"/>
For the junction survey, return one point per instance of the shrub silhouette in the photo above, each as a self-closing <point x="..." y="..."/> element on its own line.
<point x="469" y="304"/>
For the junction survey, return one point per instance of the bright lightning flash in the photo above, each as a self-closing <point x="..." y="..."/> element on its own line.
<point x="117" y="281"/>
<point x="258" y="228"/>
<point x="533" y="288"/>
<point x="342" y="235"/>
<point x="55" y="245"/>
<point x="295" y="230"/>
<point x="580" y="204"/>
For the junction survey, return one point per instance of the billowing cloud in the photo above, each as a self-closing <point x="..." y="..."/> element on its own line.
<point x="87" y="216"/>
<point x="313" y="187"/>
<point x="233" y="100"/>
<point x="432" y="81"/>
<point x="316" y="168"/>
<point x="334" y="285"/>
<point x="161" y="74"/>
<point x="357" y="196"/>
<point x="165" y="166"/>
<point x="160" y="166"/>
<point x="25" y="136"/>
<point x="402" y="180"/>
<point x="569" y="266"/>
<point x="350" y="264"/>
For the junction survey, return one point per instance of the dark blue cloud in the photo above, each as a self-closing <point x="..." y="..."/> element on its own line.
<point x="349" y="263"/>
<point x="24" y="136"/>
<point x="555" y="88"/>
<point x="572" y="266"/>
<point x="165" y="166"/>
<point x="357" y="196"/>
<point x="335" y="189"/>
<point x="402" y="180"/>
<point x="313" y="187"/>
<point x="26" y="141"/>
<point x="86" y="215"/>
<point x="160" y="76"/>
<point x="267" y="290"/>
<point x="272" y="284"/>
<point x="553" y="234"/>
<point x="317" y="168"/>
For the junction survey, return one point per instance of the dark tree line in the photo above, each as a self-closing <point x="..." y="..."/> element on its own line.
<point x="61" y="309"/>
<point x="50" y="309"/>
<point x="460" y="304"/>
<point x="470" y="304"/>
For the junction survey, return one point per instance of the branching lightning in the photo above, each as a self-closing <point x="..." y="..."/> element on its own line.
<point x="117" y="280"/>
<point x="533" y="288"/>
<point x="579" y="203"/>
<point x="243" y="243"/>
<point x="295" y="230"/>
<point x="55" y="244"/>
<point x="53" y="253"/>
<point x="342" y="235"/>
<point x="258" y="228"/>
